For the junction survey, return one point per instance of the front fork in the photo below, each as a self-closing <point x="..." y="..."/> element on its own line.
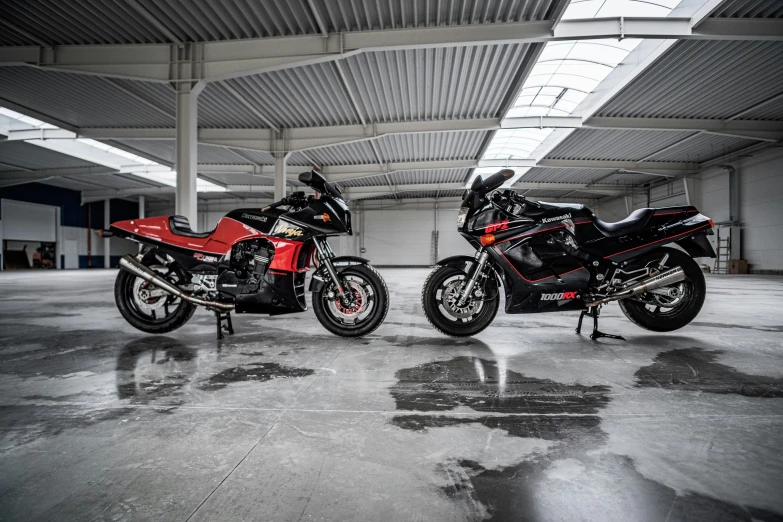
<point x="325" y="256"/>
<point x="481" y="258"/>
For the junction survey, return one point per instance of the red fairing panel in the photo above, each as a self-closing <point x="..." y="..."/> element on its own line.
<point x="227" y="233"/>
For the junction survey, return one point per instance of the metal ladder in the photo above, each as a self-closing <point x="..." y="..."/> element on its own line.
<point x="723" y="255"/>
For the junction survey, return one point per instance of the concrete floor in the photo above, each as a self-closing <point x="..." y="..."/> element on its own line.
<point x="284" y="421"/>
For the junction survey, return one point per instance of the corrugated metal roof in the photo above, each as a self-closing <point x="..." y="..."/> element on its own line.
<point x="432" y="146"/>
<point x="435" y="84"/>
<point x="585" y="175"/>
<point x="633" y="145"/>
<point x="418" y="194"/>
<point x="116" y="21"/>
<point x="703" y="147"/>
<point x="207" y="154"/>
<point x="89" y="101"/>
<point x="703" y="79"/>
<point x="28" y="156"/>
<point x="356" y="153"/>
<point x="750" y="9"/>
<point x="351" y="15"/>
<point x="306" y="96"/>
<point x="410" y="177"/>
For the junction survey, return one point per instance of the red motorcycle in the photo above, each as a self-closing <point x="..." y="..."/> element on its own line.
<point x="254" y="261"/>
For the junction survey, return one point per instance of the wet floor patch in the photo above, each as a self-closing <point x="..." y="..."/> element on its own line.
<point x="253" y="372"/>
<point x="21" y="425"/>
<point x="574" y="478"/>
<point x="696" y="369"/>
<point x="482" y="386"/>
<point x="151" y="368"/>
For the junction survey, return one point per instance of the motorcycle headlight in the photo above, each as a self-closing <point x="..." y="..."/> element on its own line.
<point x="463" y="214"/>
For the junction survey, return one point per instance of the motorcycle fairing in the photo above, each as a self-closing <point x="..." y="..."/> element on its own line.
<point x="529" y="249"/>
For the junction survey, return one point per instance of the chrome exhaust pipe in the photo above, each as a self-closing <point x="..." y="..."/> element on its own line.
<point x="134" y="267"/>
<point x="670" y="277"/>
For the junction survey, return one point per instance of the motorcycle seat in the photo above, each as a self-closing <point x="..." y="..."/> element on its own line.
<point x="633" y="223"/>
<point x="180" y="226"/>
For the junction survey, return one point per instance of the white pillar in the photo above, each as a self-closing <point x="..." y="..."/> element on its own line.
<point x="187" y="151"/>
<point x="280" y="175"/>
<point x="106" y="240"/>
<point x="58" y="238"/>
<point x="141" y="207"/>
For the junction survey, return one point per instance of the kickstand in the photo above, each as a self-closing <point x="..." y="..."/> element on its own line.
<point x="594" y="312"/>
<point x="224" y="317"/>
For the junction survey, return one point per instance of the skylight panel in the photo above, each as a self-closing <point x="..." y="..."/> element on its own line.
<point x="567" y="71"/>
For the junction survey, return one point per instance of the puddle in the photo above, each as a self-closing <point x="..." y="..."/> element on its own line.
<point x="153" y="367"/>
<point x="574" y="479"/>
<point x="253" y="372"/>
<point x="480" y="385"/>
<point x="696" y="369"/>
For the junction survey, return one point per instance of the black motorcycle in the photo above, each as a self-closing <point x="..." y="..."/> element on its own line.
<point x="552" y="257"/>
<point x="255" y="262"/>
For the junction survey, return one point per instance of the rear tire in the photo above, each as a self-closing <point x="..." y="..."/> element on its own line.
<point x="439" y="283"/>
<point x="371" y="292"/>
<point x="154" y="315"/>
<point x="693" y="288"/>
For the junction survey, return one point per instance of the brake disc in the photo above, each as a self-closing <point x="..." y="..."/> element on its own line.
<point x="361" y="302"/>
<point x="450" y="298"/>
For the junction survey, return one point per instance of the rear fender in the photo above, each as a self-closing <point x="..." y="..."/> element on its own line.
<point x="320" y="276"/>
<point x="697" y="246"/>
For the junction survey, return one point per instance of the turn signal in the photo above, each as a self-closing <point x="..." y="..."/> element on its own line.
<point x="712" y="223"/>
<point x="487" y="239"/>
<point x="326" y="218"/>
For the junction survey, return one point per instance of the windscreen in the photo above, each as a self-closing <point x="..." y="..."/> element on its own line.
<point x="316" y="181"/>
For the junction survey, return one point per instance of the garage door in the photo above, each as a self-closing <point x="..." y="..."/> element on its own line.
<point x="28" y="221"/>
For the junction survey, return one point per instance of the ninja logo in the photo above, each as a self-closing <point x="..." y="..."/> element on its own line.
<point x="562" y="296"/>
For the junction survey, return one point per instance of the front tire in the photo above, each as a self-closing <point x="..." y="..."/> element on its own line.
<point x="148" y="308"/>
<point x="437" y="298"/>
<point x="667" y="314"/>
<point x="372" y="303"/>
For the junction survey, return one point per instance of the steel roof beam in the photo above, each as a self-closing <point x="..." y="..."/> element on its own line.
<point x="364" y="192"/>
<point x="235" y="58"/>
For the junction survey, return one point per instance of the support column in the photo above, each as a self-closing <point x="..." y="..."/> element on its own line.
<point x="58" y="238"/>
<point x="691" y="191"/>
<point x="187" y="152"/>
<point x="141" y="207"/>
<point x="280" y="175"/>
<point x="629" y="204"/>
<point x="106" y="240"/>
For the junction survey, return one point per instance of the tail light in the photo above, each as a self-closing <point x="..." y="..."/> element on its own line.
<point x="712" y="223"/>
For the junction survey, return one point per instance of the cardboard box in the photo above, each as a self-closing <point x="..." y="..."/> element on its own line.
<point x="738" y="266"/>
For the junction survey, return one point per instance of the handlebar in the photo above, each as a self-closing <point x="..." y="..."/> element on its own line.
<point x="294" y="200"/>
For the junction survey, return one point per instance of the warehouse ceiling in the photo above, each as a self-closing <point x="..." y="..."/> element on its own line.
<point x="412" y="111"/>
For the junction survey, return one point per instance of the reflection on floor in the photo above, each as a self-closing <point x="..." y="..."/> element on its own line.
<point x="283" y="421"/>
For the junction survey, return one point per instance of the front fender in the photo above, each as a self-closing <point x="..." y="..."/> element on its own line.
<point x="464" y="263"/>
<point x="320" y="275"/>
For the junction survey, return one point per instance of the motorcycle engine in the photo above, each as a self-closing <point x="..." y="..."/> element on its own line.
<point x="247" y="265"/>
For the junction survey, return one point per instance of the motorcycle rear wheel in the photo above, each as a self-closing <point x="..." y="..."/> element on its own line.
<point x="652" y="315"/>
<point x="441" y="287"/>
<point x="152" y="314"/>
<point x="372" y="303"/>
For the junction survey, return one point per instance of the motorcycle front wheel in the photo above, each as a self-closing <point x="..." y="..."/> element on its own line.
<point x="371" y="303"/>
<point x="147" y="307"/>
<point x="440" y="297"/>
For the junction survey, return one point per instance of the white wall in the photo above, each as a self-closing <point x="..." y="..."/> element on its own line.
<point x="760" y="206"/>
<point x="760" y="185"/>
